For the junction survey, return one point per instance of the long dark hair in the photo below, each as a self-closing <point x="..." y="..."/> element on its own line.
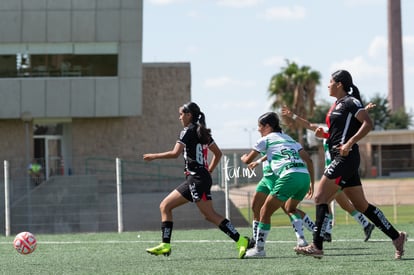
<point x="272" y="119"/>
<point x="346" y="79"/>
<point x="199" y="119"/>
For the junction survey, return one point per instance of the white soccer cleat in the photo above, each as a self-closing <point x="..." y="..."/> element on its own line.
<point x="301" y="242"/>
<point x="255" y="253"/>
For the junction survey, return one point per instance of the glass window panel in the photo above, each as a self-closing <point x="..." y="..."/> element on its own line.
<point x="58" y="65"/>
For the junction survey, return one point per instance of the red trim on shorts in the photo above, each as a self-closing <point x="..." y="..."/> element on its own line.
<point x="204" y="197"/>
<point x="338" y="180"/>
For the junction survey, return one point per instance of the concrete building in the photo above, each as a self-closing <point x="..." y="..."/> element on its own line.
<point x="71" y="72"/>
<point x="75" y="96"/>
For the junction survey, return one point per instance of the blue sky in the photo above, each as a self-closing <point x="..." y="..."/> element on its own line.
<point x="236" y="46"/>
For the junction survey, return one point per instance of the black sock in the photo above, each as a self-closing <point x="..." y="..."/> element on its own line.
<point x="227" y="227"/>
<point x="321" y="223"/>
<point x="166" y="229"/>
<point x="377" y="217"/>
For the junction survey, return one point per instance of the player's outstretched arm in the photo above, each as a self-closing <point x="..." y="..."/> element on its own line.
<point x="173" y="154"/>
<point x="293" y="118"/>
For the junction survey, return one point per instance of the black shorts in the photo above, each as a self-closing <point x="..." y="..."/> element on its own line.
<point x="196" y="187"/>
<point x="344" y="169"/>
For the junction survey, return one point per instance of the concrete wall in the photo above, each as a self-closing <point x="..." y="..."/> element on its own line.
<point x="63" y="26"/>
<point x="74" y="204"/>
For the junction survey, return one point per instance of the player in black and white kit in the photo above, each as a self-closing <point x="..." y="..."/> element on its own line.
<point x="194" y="142"/>
<point x="348" y="122"/>
<point x="339" y="196"/>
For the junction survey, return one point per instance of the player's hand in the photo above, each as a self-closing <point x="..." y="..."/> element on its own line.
<point x="286" y="111"/>
<point x="148" y="157"/>
<point x="252" y="165"/>
<point x="370" y="106"/>
<point x="344" y="149"/>
<point x="309" y="195"/>
<point x="243" y="158"/>
<point x="319" y="132"/>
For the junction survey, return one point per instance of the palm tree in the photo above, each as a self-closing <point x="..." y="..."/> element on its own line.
<point x="295" y="87"/>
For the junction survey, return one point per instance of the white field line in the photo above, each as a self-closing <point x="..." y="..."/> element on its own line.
<point x="186" y="241"/>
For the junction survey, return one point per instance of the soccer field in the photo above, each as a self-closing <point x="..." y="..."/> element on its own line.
<point x="205" y="252"/>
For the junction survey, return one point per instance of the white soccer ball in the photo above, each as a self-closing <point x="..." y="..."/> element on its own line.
<point x="25" y="243"/>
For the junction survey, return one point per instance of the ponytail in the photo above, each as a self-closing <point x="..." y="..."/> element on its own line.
<point x="355" y="92"/>
<point x="203" y="133"/>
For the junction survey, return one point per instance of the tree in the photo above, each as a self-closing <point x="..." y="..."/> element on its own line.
<point x="399" y="120"/>
<point x="380" y="114"/>
<point x="295" y="87"/>
<point x="384" y="119"/>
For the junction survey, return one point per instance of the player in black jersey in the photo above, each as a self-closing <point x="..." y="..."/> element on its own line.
<point x="194" y="142"/>
<point x="348" y="122"/>
<point x="339" y="196"/>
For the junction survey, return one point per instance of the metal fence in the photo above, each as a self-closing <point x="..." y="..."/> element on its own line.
<point x="87" y="201"/>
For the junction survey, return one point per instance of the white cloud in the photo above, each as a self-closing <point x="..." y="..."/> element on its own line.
<point x="225" y="81"/>
<point x="408" y="46"/>
<point x="285" y="13"/>
<point x="193" y="14"/>
<point x="409" y="70"/>
<point x="191" y="49"/>
<point x="378" y="46"/>
<point x="371" y="79"/>
<point x="238" y="104"/>
<point x="238" y="3"/>
<point x="275" y="61"/>
<point x="279" y="61"/>
<point x="354" y="3"/>
<point x="359" y="67"/>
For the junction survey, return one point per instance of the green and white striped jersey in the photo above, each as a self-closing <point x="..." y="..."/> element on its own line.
<point x="282" y="152"/>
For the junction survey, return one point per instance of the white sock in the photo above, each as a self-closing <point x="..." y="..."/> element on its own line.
<point x="330" y="225"/>
<point x="255" y="225"/>
<point x="261" y="238"/>
<point x="298" y="227"/>
<point x="308" y="223"/>
<point x="360" y="218"/>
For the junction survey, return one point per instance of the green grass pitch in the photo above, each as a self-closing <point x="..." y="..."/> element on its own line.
<point x="206" y="251"/>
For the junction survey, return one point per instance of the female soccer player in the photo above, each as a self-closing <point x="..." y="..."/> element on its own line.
<point x="292" y="176"/>
<point x="194" y="142"/>
<point x="259" y="198"/>
<point x="348" y="122"/>
<point x="339" y="196"/>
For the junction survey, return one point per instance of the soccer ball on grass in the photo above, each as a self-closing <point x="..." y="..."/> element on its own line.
<point x="25" y="243"/>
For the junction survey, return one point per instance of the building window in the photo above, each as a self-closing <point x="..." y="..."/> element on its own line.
<point x="58" y="59"/>
<point x="58" y="65"/>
